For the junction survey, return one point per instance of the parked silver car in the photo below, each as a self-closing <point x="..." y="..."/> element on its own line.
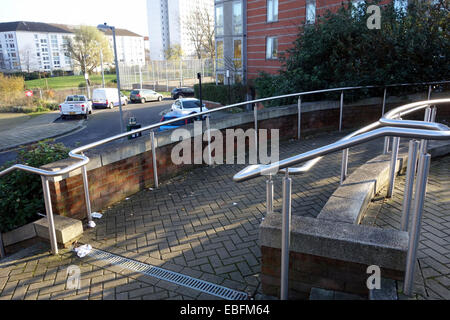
<point x="144" y="95"/>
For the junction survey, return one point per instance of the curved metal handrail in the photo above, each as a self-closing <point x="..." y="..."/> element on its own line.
<point x="423" y="130"/>
<point x="77" y="152"/>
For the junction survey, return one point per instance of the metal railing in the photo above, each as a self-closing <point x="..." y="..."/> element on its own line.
<point x="77" y="153"/>
<point x="385" y="127"/>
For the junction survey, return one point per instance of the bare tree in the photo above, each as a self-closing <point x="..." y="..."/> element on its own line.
<point x="194" y="32"/>
<point x="200" y="30"/>
<point x="84" y="48"/>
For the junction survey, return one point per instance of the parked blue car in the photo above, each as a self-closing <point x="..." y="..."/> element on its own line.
<point x="173" y="115"/>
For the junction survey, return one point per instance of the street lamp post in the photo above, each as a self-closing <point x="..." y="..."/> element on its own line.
<point x="104" y="27"/>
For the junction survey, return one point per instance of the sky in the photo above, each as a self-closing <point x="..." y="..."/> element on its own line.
<point x="130" y="14"/>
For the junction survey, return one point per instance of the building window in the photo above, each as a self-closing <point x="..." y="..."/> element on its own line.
<point x="401" y="6"/>
<point x="357" y="6"/>
<point x="237" y="53"/>
<point x="310" y="11"/>
<point x="43" y="40"/>
<point x="237" y="17"/>
<point x="219" y="20"/>
<point x="219" y="49"/>
<point x="271" y="48"/>
<point x="272" y="10"/>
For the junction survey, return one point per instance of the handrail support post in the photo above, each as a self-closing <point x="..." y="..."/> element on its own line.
<point x="299" y="119"/>
<point x="341" y="111"/>
<point x="393" y="165"/>
<point x="155" y="165"/>
<point x="49" y="211"/>
<point x="269" y="195"/>
<point x="344" y="165"/>
<point x="285" y="235"/>
<point x="414" y="235"/>
<point x="409" y="183"/>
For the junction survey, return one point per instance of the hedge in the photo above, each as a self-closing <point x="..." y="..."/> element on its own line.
<point x="222" y="93"/>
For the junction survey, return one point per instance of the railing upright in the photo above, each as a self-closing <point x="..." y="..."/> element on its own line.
<point x="393" y="165"/>
<point x="255" y="118"/>
<point x="286" y="234"/>
<point x="299" y="119"/>
<point x="341" y="110"/>
<point x="49" y="211"/>
<point x="414" y="234"/>
<point x="155" y="165"/>
<point x="409" y="183"/>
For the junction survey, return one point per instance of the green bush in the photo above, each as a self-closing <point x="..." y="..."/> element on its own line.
<point x="220" y="93"/>
<point x="21" y="194"/>
<point x="340" y="50"/>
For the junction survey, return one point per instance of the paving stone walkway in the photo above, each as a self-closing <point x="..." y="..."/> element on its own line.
<point x="35" y="129"/>
<point x="201" y="224"/>
<point x="433" y="267"/>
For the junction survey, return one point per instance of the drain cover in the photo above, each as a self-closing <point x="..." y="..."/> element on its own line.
<point x="170" y="276"/>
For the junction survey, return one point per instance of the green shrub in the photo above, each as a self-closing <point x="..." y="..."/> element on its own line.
<point x="21" y="194"/>
<point x="222" y="93"/>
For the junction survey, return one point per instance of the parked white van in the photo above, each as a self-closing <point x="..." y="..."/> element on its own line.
<point x="107" y="98"/>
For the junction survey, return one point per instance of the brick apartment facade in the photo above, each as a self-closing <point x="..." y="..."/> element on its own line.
<point x="270" y="28"/>
<point x="283" y="30"/>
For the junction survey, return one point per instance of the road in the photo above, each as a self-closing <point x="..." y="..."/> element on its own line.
<point x="103" y="123"/>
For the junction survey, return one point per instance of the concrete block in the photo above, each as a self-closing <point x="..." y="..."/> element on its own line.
<point x="366" y="245"/>
<point x="67" y="229"/>
<point x="18" y="235"/>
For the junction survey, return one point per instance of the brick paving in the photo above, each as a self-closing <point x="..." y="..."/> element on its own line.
<point x="200" y="224"/>
<point x="433" y="267"/>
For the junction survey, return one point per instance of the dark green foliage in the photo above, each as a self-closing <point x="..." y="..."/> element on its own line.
<point x="220" y="93"/>
<point x="21" y="192"/>
<point x="341" y="51"/>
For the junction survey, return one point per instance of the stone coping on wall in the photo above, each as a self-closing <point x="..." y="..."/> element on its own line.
<point x="350" y="200"/>
<point x="336" y="232"/>
<point x="341" y="241"/>
<point x="117" y="150"/>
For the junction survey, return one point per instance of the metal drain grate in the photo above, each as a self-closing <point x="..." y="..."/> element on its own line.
<point x="170" y="276"/>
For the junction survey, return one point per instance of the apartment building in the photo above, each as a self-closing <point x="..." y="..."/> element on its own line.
<point x="33" y="46"/>
<point x="269" y="27"/>
<point x="168" y="25"/>
<point x="36" y="46"/>
<point x="230" y="40"/>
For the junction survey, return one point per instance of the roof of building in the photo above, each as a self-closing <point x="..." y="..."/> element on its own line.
<point x="53" y="27"/>
<point x="30" y="26"/>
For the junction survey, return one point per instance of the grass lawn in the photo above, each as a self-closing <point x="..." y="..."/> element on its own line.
<point x="66" y="82"/>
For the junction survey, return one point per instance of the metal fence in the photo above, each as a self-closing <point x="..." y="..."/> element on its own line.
<point x="165" y="75"/>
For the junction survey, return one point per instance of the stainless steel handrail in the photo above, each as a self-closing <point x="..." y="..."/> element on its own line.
<point x="425" y="130"/>
<point x="77" y="153"/>
<point x="262" y="170"/>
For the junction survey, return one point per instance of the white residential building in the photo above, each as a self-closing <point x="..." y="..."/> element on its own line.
<point x="167" y="24"/>
<point x="36" y="46"/>
<point x="33" y="46"/>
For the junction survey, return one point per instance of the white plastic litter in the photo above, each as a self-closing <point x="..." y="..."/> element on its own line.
<point x="151" y="189"/>
<point x="96" y="215"/>
<point x="91" y="224"/>
<point x="83" y="250"/>
<point x="40" y="214"/>
<point x="127" y="198"/>
<point x="234" y="204"/>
